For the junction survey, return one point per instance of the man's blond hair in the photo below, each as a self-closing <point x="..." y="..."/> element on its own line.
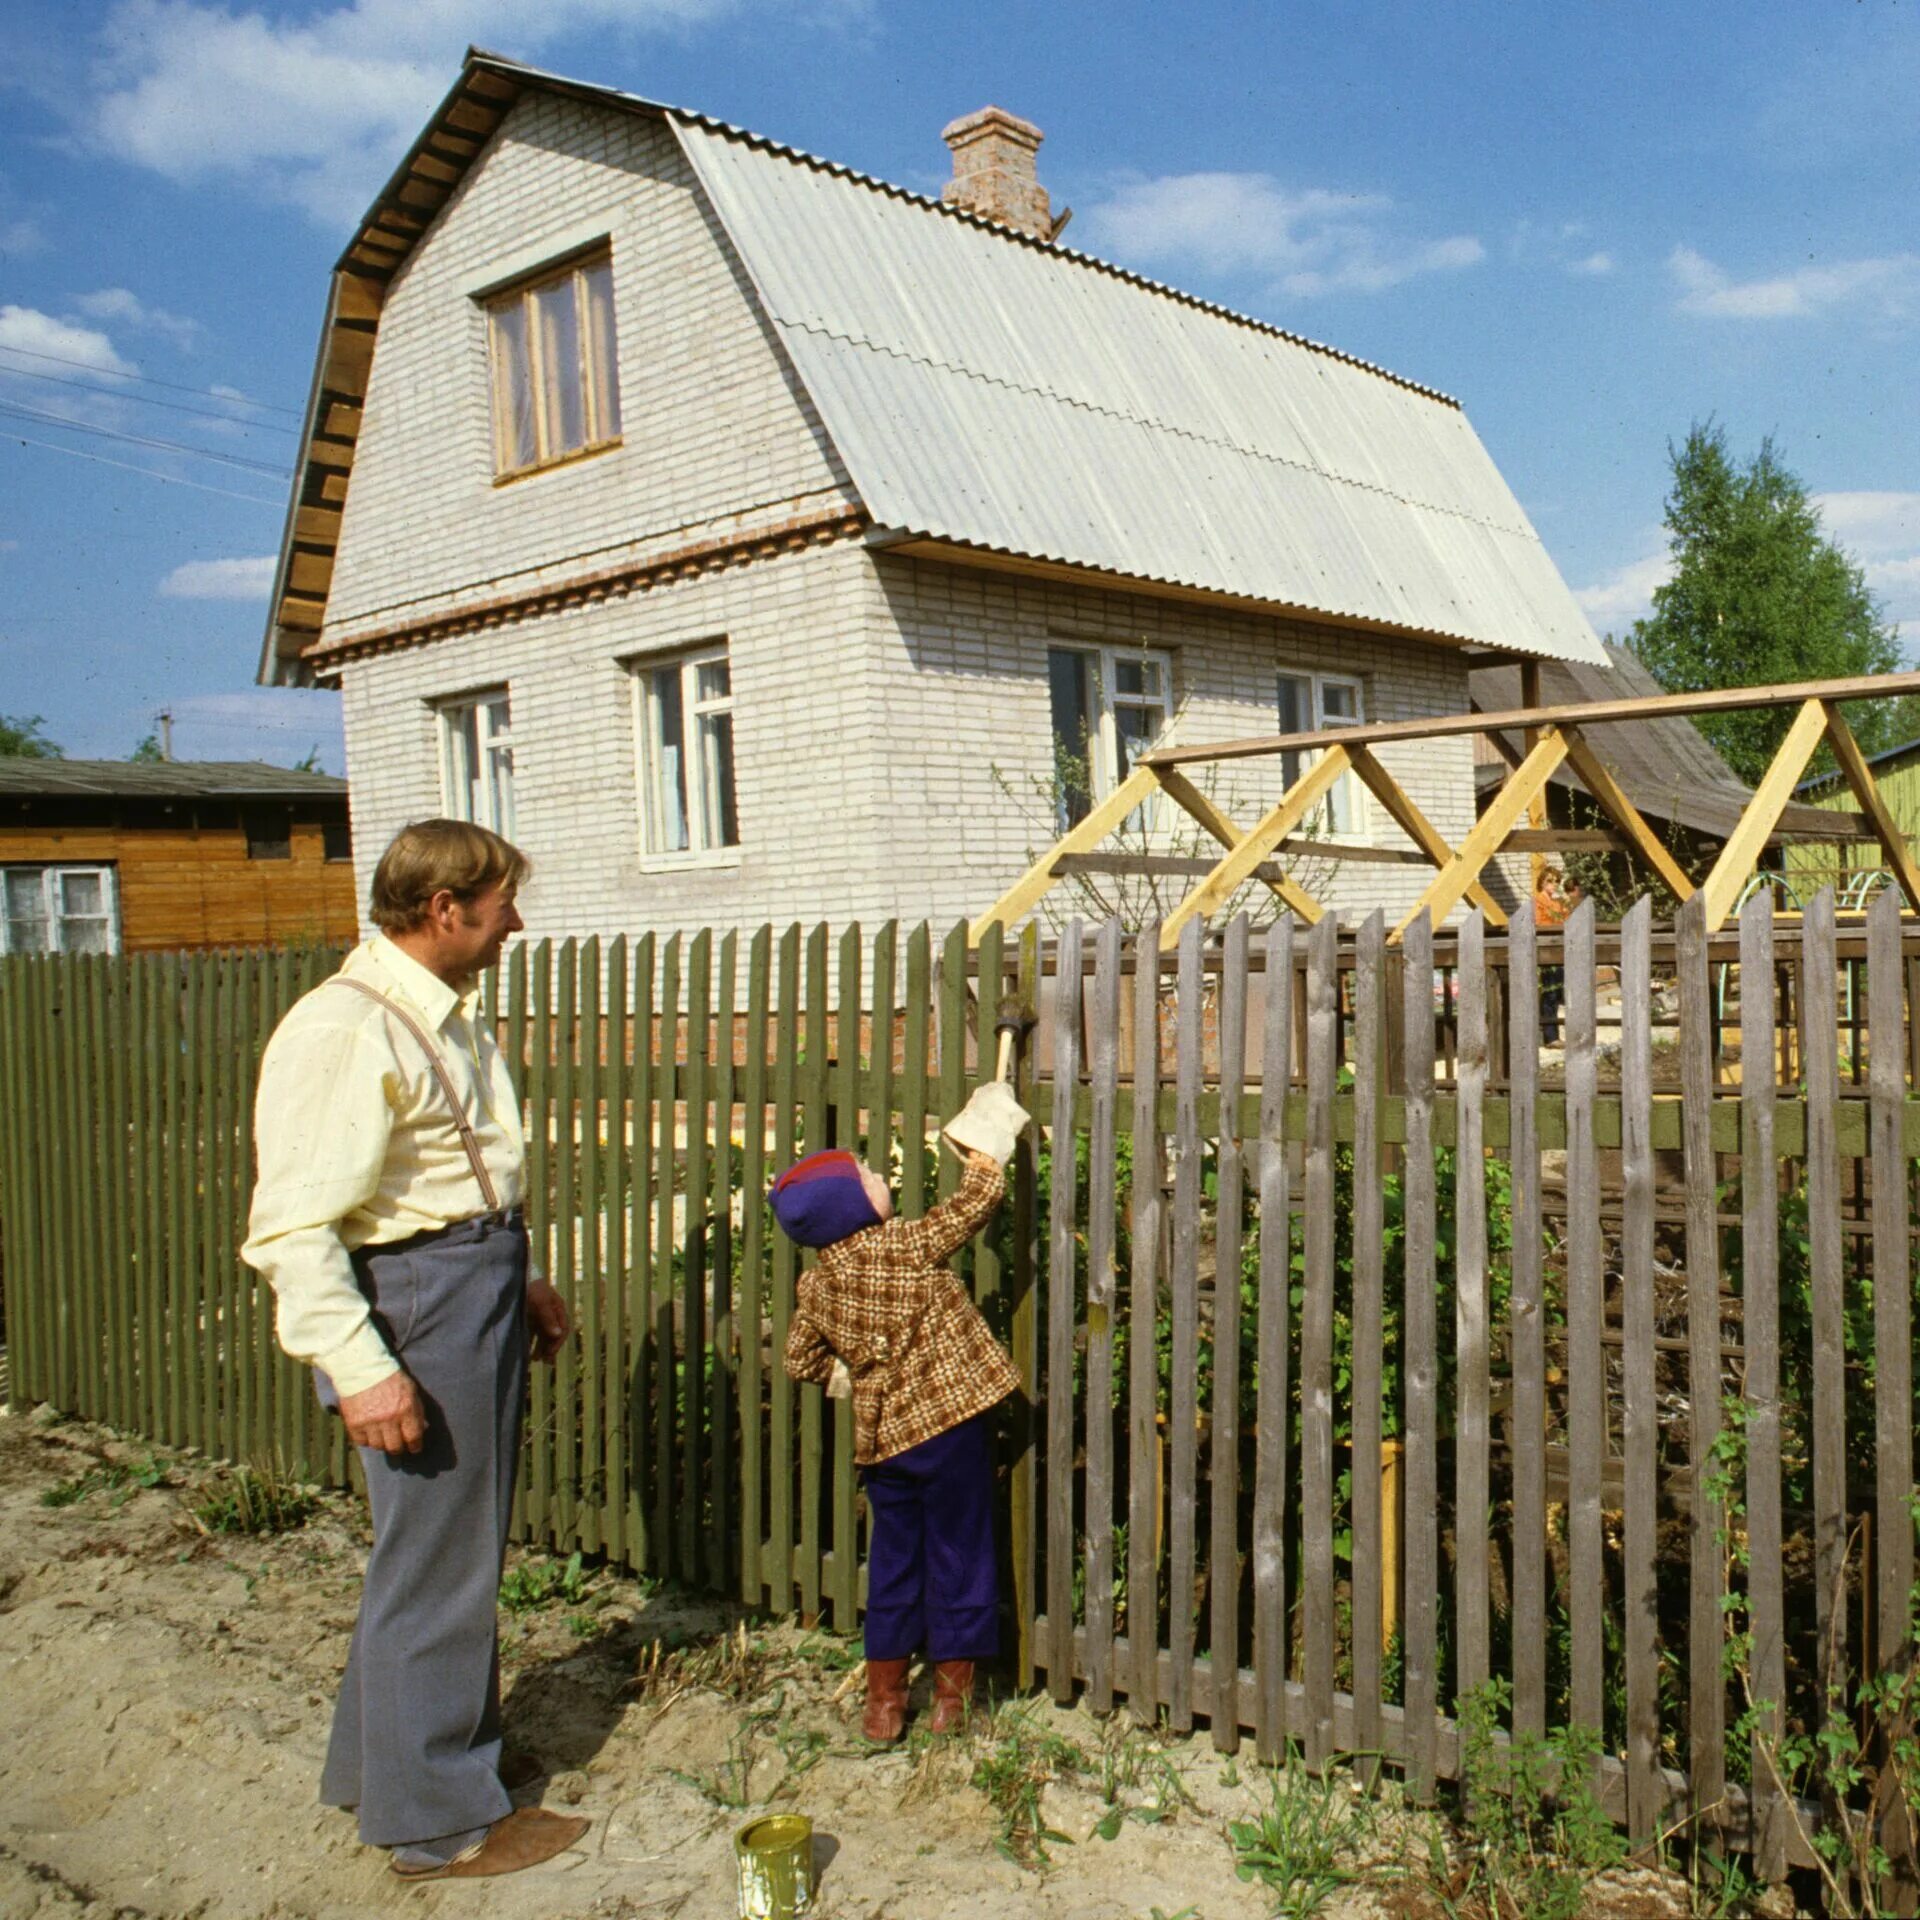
<point x="432" y="855"/>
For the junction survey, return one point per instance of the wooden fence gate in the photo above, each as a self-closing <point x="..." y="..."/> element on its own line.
<point x="1374" y="1352"/>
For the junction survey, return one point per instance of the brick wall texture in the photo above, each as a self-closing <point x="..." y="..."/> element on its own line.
<point x="891" y="715"/>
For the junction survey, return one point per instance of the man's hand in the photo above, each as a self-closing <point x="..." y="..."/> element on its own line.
<point x="388" y="1415"/>
<point x="548" y="1318"/>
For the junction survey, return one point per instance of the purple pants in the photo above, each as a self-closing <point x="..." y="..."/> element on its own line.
<point x="931" y="1579"/>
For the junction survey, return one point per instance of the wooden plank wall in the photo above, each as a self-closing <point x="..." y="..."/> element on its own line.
<point x="1516" y="1335"/>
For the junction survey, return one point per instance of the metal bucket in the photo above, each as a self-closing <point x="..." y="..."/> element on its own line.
<point x="775" y="1856"/>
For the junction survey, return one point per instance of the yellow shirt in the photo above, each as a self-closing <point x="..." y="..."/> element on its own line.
<point x="357" y="1147"/>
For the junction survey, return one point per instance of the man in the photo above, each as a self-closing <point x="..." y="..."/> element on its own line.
<point x="387" y="1218"/>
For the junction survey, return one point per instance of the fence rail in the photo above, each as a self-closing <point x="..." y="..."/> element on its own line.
<point x="1370" y="1353"/>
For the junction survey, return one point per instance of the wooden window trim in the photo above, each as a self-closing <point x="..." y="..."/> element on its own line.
<point x="686" y="664"/>
<point x="520" y="293"/>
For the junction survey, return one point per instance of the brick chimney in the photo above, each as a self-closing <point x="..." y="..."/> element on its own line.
<point x="993" y="172"/>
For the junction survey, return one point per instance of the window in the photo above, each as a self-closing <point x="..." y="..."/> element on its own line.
<point x="556" y="380"/>
<point x="58" y="910"/>
<point x="336" y="839"/>
<point x="269" y="832"/>
<point x="683" y="714"/>
<point x="1307" y="703"/>
<point x="476" y="760"/>
<point x="1110" y="705"/>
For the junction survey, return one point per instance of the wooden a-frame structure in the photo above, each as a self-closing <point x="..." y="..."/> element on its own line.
<point x="1551" y="735"/>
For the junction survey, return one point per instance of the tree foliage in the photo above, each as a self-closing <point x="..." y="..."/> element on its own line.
<point x="148" y="750"/>
<point x="21" y="738"/>
<point x="1759" y="594"/>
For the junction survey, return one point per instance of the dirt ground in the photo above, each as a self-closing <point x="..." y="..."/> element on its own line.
<point x="164" y="1700"/>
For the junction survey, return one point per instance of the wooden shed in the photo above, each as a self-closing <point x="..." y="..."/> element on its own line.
<point x="1897" y="773"/>
<point x="115" y="856"/>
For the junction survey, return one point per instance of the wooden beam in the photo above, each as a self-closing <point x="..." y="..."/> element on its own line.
<point x="317" y="526"/>
<point x="1184" y="794"/>
<point x="1608" y="794"/>
<point x="1252" y="848"/>
<point x="1450" y="885"/>
<point x="356" y="296"/>
<point x="1751" y="832"/>
<point x="1194" y="866"/>
<point x="1859" y="776"/>
<point x="1660" y="706"/>
<point x="1019" y="899"/>
<point x="1537" y="806"/>
<point x="1418" y="828"/>
<point x="1565" y="840"/>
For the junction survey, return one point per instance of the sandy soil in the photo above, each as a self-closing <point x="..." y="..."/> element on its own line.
<point x="164" y="1700"/>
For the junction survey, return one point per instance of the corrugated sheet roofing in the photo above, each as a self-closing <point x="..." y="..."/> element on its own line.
<point x="166" y="779"/>
<point x="1026" y="400"/>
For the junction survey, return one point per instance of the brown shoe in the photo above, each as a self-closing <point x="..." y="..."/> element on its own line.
<point x="952" y="1696"/>
<point x="885" y="1719"/>
<point x="527" y="1836"/>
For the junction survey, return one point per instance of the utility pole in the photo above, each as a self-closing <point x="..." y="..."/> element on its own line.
<point x="166" y="735"/>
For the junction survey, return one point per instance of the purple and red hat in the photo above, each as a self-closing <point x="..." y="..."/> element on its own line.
<point x="822" y="1199"/>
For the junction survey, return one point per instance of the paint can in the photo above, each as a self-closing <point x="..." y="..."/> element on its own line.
<point x="775" y="1856"/>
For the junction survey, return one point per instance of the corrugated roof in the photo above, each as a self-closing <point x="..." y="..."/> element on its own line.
<point x="1667" y="767"/>
<point x="166" y="780"/>
<point x="1000" y="393"/>
<point x="1024" y="399"/>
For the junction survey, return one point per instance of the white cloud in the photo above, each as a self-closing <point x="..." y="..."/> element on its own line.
<point x="1625" y="595"/>
<point x="248" y="579"/>
<point x="119" y="304"/>
<point x="315" y="110"/>
<point x="32" y="332"/>
<point x="1888" y="285"/>
<point x="1304" y="242"/>
<point x="1593" y="265"/>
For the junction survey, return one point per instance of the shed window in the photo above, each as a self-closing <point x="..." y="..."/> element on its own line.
<point x="476" y="760"/>
<point x="683" y="715"/>
<point x="556" y="378"/>
<point x="269" y="833"/>
<point x="1308" y="703"/>
<point x="59" y="910"/>
<point x="336" y="840"/>
<point x="1110" y="704"/>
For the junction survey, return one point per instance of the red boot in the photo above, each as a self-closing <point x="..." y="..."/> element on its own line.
<point x="952" y="1696"/>
<point x="885" y="1719"/>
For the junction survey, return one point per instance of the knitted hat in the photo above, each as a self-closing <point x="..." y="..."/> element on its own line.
<point x="822" y="1199"/>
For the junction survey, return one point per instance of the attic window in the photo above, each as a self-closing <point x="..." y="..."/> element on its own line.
<point x="556" y="379"/>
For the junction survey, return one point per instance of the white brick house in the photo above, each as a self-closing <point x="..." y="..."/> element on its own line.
<point x="740" y="533"/>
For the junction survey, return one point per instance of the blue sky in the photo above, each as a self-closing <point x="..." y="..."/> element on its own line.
<point x="1592" y="223"/>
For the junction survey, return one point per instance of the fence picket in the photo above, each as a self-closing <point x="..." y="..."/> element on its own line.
<point x="1526" y="1322"/>
<point x="1102" y="1307"/>
<point x="662" y="1343"/>
<point x="815" y="1490"/>
<point x="1641" y="1424"/>
<point x="695" y="1254"/>
<point x="589" y="1278"/>
<point x="755" y="1362"/>
<point x="1369" y="1517"/>
<point x="645" y="1547"/>
<point x="617" y="1438"/>
<point x="1272" y="1404"/>
<point x="1586" y="1354"/>
<point x="1183" y="1416"/>
<point x="722" y="1545"/>
<point x="1316" y="1341"/>
<point x="559" y="1429"/>
<point x="1223" y="1491"/>
<point x="1420" y="1421"/>
<point x="781" y="1567"/>
<point x="1760" y="1288"/>
<point x="1024" y="1319"/>
<point x="1143" y="1369"/>
<point x="1472" y="1360"/>
<point x="1062" y="1255"/>
<point x="846" y="1133"/>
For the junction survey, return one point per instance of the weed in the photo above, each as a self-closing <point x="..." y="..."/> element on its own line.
<point x="541" y="1583"/>
<point x="245" y="1501"/>
<point x="118" y="1479"/>
<point x="587" y="1626"/>
<point x="736" y="1665"/>
<point x="1014" y="1773"/>
<point x="726" y="1784"/>
<point x="1302" y="1846"/>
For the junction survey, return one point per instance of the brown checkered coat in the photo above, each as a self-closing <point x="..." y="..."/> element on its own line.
<point x="882" y="1300"/>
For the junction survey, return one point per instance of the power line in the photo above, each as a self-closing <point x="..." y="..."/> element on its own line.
<point x="148" y="400"/>
<point x="127" y="466"/>
<point x="147" y="380"/>
<point x="44" y="418"/>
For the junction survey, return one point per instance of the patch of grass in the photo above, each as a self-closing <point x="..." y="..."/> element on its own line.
<point x="726" y="1784"/>
<point x="119" y="1479"/>
<point x="244" y="1501"/>
<point x="1014" y="1774"/>
<point x="1131" y="1760"/>
<point x="534" y="1584"/>
<point x="737" y="1665"/>
<point x="1303" y="1847"/>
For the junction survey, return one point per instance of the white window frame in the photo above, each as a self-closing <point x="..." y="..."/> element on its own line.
<point x="1103" y="748"/>
<point x="600" y="409"/>
<point x="50" y="876"/>
<point x="1318" y="824"/>
<point x="704" y="846"/>
<point x="492" y="737"/>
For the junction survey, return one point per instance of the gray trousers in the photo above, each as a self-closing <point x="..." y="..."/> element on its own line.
<point x="416" y="1734"/>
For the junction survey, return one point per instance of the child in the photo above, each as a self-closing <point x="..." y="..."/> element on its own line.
<point x="881" y="1319"/>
